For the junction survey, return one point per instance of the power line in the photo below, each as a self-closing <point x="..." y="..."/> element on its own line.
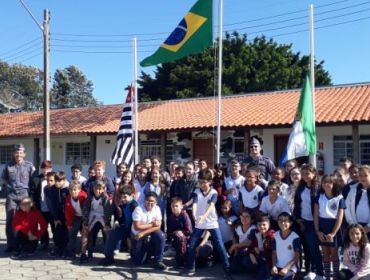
<point x="33" y="56"/>
<point x="19" y="47"/>
<point x="97" y="52"/>
<point x="100" y="46"/>
<point x="23" y="52"/>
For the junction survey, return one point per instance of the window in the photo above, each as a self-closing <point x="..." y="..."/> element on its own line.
<point x="343" y="148"/>
<point x="78" y="153"/>
<point x="150" y="148"/>
<point x="6" y="154"/>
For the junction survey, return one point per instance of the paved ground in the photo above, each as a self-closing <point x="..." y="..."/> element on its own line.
<point x="43" y="267"/>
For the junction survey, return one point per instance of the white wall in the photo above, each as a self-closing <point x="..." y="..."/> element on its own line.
<point x="104" y="148"/>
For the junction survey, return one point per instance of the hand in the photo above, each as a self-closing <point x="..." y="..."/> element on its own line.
<point x="139" y="235"/>
<point x="232" y="249"/>
<point x="274" y="270"/>
<point x="257" y="250"/>
<point x="200" y="220"/>
<point x="283" y="271"/>
<point x="321" y="236"/>
<point x="31" y="236"/>
<point x="178" y="233"/>
<point x="253" y="259"/>
<point x="329" y="237"/>
<point x="156" y="223"/>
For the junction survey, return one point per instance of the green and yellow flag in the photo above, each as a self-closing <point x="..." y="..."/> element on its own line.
<point x="192" y="35"/>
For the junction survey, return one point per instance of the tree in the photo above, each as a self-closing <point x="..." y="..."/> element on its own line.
<point x="260" y="65"/>
<point x="71" y="89"/>
<point x="23" y="80"/>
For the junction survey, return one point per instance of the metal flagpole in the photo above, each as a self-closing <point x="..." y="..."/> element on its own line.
<point x="218" y="145"/>
<point x="312" y="73"/>
<point x="136" y="111"/>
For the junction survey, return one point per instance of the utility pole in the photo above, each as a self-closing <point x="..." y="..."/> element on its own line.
<point x="45" y="31"/>
<point x="46" y="86"/>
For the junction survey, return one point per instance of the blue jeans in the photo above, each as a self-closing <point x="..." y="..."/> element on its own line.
<point x="312" y="248"/>
<point x="150" y="245"/>
<point x="114" y="237"/>
<point x="217" y="242"/>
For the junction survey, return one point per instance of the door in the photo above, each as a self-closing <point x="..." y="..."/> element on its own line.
<point x="204" y="149"/>
<point x="280" y="144"/>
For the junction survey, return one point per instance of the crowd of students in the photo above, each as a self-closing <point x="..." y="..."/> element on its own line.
<point x="294" y="224"/>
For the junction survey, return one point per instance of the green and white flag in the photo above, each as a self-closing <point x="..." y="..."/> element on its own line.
<point x="192" y="35"/>
<point x="302" y="140"/>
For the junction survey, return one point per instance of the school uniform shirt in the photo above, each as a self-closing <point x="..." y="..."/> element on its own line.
<point x="351" y="259"/>
<point x="252" y="198"/>
<point x="274" y="209"/>
<point x="143" y="216"/>
<point x="286" y="248"/>
<point x="226" y="229"/>
<point x="244" y="236"/>
<point x="139" y="194"/>
<point x="328" y="207"/>
<point x="203" y="200"/>
<point x="284" y="190"/>
<point x="306" y="206"/>
<point x="236" y="184"/>
<point x="96" y="212"/>
<point x="358" y="206"/>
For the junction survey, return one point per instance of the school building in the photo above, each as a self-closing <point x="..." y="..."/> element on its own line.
<point x="180" y="130"/>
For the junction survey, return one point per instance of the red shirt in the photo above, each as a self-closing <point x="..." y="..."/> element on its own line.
<point x="69" y="211"/>
<point x="31" y="221"/>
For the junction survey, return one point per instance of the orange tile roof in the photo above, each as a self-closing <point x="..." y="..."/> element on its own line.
<point x="336" y="104"/>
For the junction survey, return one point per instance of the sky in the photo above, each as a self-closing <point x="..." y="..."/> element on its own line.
<point x="96" y="35"/>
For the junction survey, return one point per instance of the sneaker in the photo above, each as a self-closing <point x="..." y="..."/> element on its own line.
<point x="83" y="258"/>
<point x="188" y="272"/>
<point x="16" y="256"/>
<point x="160" y="265"/>
<point x="106" y="262"/>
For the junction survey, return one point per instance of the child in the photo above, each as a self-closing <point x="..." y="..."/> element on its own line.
<point x="304" y="202"/>
<point x="219" y="185"/>
<point x="295" y="178"/>
<point x="328" y="217"/>
<point x="260" y="251"/>
<point x="179" y="229"/>
<point x="73" y="204"/>
<point x="225" y="223"/>
<point x="158" y="186"/>
<point x="140" y="183"/>
<point x="99" y="171"/>
<point x="358" y="201"/>
<point x="278" y="175"/>
<point x="96" y="216"/>
<point x="233" y="184"/>
<point x="123" y="225"/>
<point x="147" y="238"/>
<point x="273" y="204"/>
<point x="39" y="183"/>
<point x="178" y="182"/>
<point x="55" y="197"/>
<point x="28" y="226"/>
<point x="354" y="179"/>
<point x="76" y="170"/>
<point x="120" y="170"/>
<point x="243" y="235"/>
<point x="286" y="250"/>
<point x="205" y="217"/>
<point x="251" y="194"/>
<point x="356" y="255"/>
<point x="289" y="166"/>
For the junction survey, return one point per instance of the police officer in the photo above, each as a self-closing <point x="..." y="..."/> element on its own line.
<point x="256" y="158"/>
<point x="17" y="177"/>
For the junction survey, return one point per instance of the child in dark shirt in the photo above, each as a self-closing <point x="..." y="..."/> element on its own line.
<point x="179" y="229"/>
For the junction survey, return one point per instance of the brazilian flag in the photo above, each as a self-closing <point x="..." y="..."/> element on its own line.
<point x="192" y="35"/>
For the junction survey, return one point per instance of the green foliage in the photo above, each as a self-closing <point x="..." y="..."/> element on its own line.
<point x="260" y="65"/>
<point x="25" y="80"/>
<point x="71" y="89"/>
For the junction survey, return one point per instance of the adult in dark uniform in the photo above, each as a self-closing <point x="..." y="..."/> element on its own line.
<point x="256" y="158"/>
<point x="16" y="176"/>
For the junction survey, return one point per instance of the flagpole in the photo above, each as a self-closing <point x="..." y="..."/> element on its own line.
<point x="136" y="111"/>
<point x="219" y="87"/>
<point x="312" y="73"/>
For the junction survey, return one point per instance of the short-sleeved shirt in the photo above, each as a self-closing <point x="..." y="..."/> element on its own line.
<point x="203" y="200"/>
<point x="143" y="216"/>
<point x="265" y="164"/>
<point x="328" y="207"/>
<point x="286" y="248"/>
<point x="225" y="228"/>
<point x="140" y="192"/>
<point x="274" y="209"/>
<point x="247" y="235"/>
<point x="236" y="184"/>
<point x="18" y="176"/>
<point x="306" y="208"/>
<point x="251" y="199"/>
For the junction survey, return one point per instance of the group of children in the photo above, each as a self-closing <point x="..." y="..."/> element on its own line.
<point x="284" y="228"/>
